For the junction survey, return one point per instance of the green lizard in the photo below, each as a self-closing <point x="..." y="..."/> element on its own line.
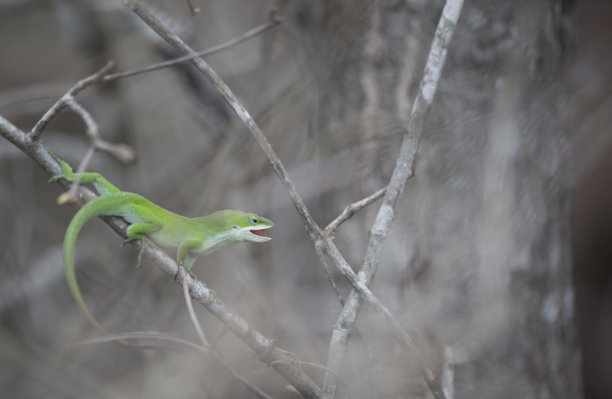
<point x="191" y="237"/>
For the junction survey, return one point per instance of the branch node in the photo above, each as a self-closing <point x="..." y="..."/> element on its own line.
<point x="350" y="210"/>
<point x="262" y="356"/>
<point x="60" y="104"/>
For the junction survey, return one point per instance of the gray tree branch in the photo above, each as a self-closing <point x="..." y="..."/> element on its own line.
<point x="351" y="209"/>
<point x="404" y="168"/>
<point x="60" y="104"/>
<point x="272" y="22"/>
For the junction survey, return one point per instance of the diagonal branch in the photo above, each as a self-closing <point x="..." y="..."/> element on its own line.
<point x="206" y="345"/>
<point x="273" y="20"/>
<point x="60" y="104"/>
<point x="316" y="234"/>
<point x="282" y="361"/>
<point x="404" y="168"/>
<point x="351" y="209"/>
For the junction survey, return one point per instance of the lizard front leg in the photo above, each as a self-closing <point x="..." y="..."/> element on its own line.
<point x="184" y="254"/>
<point x="139" y="231"/>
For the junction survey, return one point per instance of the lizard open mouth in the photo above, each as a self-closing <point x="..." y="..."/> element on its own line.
<point x="261" y="232"/>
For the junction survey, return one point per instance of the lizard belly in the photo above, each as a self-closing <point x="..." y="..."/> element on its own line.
<point x="172" y="236"/>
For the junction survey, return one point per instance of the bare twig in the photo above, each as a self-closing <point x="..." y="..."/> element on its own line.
<point x="95" y="143"/>
<point x="448" y="373"/>
<point x="93" y="132"/>
<point x="350" y="210"/>
<point x="192" y="315"/>
<point x="322" y="367"/>
<point x="265" y="348"/>
<point x="147" y="335"/>
<point x="272" y="22"/>
<point x="403" y="170"/>
<point x="194" y="10"/>
<point x="327" y="272"/>
<point x="60" y="104"/>
<point x="141" y="335"/>
<point x="252" y="387"/>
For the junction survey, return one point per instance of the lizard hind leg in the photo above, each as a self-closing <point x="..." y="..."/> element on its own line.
<point x="184" y="255"/>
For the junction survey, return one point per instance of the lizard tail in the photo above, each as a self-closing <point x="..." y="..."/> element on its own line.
<point x="108" y="204"/>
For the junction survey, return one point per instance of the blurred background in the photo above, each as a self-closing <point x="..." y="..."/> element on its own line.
<point x="499" y="250"/>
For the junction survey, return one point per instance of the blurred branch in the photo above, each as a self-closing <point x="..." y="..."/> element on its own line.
<point x="194" y="10"/>
<point x="192" y="315"/>
<point x="404" y="168"/>
<point x="316" y="234"/>
<point x="60" y="104"/>
<point x="206" y="344"/>
<point x="273" y="20"/>
<point x="93" y="132"/>
<point x="350" y="210"/>
<point x="146" y="335"/>
<point x="281" y="360"/>
<point x="448" y="373"/>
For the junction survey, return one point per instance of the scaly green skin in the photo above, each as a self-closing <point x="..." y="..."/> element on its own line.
<point x="191" y="237"/>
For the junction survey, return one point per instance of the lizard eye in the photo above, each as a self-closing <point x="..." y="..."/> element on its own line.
<point x="254" y="220"/>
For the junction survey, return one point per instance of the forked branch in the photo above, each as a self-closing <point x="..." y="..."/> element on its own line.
<point x="404" y="168"/>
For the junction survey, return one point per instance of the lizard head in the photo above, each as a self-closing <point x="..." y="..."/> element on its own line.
<point x="237" y="226"/>
<point x="250" y="227"/>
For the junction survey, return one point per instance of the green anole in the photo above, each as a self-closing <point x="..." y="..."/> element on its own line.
<point x="191" y="237"/>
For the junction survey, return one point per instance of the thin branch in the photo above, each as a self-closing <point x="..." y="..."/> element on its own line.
<point x="403" y="170"/>
<point x="93" y="132"/>
<point x="330" y="278"/>
<point x="60" y="104"/>
<point x="172" y="338"/>
<point x="350" y="210"/>
<point x="95" y="143"/>
<point x="273" y="20"/>
<point x="252" y="387"/>
<point x="322" y="367"/>
<point x="448" y="373"/>
<point x="141" y="335"/>
<point x="265" y="348"/>
<point x="194" y="10"/>
<point x="192" y="315"/>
